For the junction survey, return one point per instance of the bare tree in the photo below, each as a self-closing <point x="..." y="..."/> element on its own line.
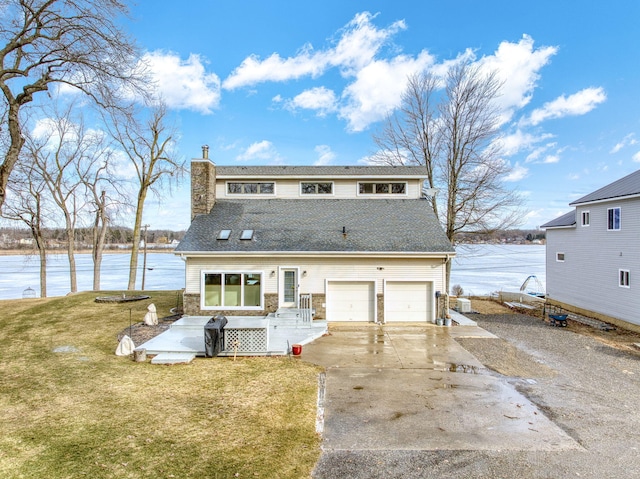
<point x="58" y="155"/>
<point x="149" y="146"/>
<point x="96" y="176"/>
<point x="74" y="42"/>
<point x="451" y="126"/>
<point x="27" y="204"/>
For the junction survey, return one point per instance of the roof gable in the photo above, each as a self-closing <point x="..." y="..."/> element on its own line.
<point x="321" y="171"/>
<point x="624" y="187"/>
<point x="565" y="221"/>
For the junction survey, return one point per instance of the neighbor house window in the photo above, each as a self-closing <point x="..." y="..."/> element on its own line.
<point x="325" y="188"/>
<point x="231" y="290"/>
<point x="623" y="275"/>
<point x="586" y="218"/>
<point x="560" y="257"/>
<point x="613" y="219"/>
<point x="250" y="188"/>
<point x="382" y="188"/>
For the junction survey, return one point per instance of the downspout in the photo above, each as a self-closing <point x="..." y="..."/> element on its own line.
<point x="445" y="311"/>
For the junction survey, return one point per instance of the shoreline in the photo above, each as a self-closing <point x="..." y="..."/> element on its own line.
<point x="21" y="252"/>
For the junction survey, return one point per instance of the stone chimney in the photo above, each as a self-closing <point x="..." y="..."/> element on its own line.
<point x="203" y="184"/>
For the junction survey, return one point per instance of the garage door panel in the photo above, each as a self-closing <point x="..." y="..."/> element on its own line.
<point x="408" y="301"/>
<point x="350" y="301"/>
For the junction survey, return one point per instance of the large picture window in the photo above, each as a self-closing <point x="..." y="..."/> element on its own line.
<point x="230" y="290"/>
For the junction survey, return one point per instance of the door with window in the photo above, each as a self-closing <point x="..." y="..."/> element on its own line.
<point x="289" y="288"/>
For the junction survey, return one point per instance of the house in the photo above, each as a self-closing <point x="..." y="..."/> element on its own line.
<point x="359" y="242"/>
<point x="592" y="254"/>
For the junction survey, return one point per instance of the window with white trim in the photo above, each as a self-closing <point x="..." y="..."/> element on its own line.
<point x="250" y="188"/>
<point x="231" y="290"/>
<point x="614" y="218"/>
<point x="560" y="257"/>
<point x="586" y="218"/>
<point x="624" y="280"/>
<point x="382" y="188"/>
<point x="315" y="188"/>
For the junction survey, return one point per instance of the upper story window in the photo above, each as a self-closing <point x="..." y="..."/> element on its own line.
<point x="586" y="218"/>
<point x="560" y="257"/>
<point x="624" y="278"/>
<point x="382" y="188"/>
<point x="312" y="188"/>
<point x="613" y="219"/>
<point x="251" y="188"/>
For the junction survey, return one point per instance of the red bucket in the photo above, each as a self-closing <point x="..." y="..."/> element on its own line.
<point x="296" y="349"/>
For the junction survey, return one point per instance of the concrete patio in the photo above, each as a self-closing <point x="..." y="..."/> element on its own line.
<point x="271" y="335"/>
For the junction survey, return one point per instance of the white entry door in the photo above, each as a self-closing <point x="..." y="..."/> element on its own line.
<point x="289" y="288"/>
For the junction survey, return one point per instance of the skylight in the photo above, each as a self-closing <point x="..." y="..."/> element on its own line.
<point x="224" y="234"/>
<point x="246" y="235"/>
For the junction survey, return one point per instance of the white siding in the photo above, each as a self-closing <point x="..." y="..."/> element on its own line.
<point x="320" y="269"/>
<point x="342" y="188"/>
<point x="593" y="256"/>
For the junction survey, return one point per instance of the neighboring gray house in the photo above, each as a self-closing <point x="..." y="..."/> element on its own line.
<point x="359" y="240"/>
<point x="593" y="254"/>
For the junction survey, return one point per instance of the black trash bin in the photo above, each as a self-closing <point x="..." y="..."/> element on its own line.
<point x="214" y="335"/>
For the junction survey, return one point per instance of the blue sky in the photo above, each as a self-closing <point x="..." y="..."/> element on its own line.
<point x="302" y="83"/>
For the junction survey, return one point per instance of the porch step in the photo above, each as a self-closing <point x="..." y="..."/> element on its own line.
<point x="173" y="358"/>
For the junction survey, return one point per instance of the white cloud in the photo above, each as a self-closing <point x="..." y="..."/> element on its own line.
<point x="378" y="88"/>
<point x="183" y="84"/>
<point x="520" y="140"/>
<point x="518" y="66"/>
<point x="577" y="104"/>
<point x="261" y="151"/>
<point x="358" y="45"/>
<point x="518" y="172"/>
<point x="626" y="141"/>
<point x="636" y="157"/>
<point x="325" y="155"/>
<point x="320" y="99"/>
<point x="551" y="159"/>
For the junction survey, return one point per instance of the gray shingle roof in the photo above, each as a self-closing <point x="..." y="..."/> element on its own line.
<point x="315" y="225"/>
<point x="321" y="171"/>
<point x="567" y="219"/>
<point x="627" y="186"/>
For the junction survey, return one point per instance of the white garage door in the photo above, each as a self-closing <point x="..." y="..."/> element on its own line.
<point x="350" y="301"/>
<point x="408" y="301"/>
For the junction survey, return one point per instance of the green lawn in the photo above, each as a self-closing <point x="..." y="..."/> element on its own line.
<point x="85" y="412"/>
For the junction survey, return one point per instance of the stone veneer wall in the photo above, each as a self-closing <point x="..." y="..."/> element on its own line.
<point x="380" y="313"/>
<point x="191" y="305"/>
<point x="317" y="303"/>
<point x="203" y="187"/>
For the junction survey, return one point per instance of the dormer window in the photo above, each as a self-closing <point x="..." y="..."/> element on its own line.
<point x="312" y="188"/>
<point x="251" y="188"/>
<point x="382" y="188"/>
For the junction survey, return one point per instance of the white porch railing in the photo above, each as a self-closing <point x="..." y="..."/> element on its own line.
<point x="306" y="307"/>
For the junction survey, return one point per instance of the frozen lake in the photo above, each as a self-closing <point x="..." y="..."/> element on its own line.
<point x="479" y="269"/>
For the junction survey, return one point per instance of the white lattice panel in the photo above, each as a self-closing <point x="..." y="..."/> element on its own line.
<point x="248" y="340"/>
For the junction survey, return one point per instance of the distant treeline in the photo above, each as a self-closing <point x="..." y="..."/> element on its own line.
<point x="20" y="238"/>
<point x="506" y="236"/>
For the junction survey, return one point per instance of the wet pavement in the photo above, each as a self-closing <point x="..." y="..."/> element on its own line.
<point x="413" y="387"/>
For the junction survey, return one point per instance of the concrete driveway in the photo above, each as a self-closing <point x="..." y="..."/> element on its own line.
<point x="413" y="387"/>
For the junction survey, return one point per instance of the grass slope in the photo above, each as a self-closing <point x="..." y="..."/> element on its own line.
<point x="84" y="412"/>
